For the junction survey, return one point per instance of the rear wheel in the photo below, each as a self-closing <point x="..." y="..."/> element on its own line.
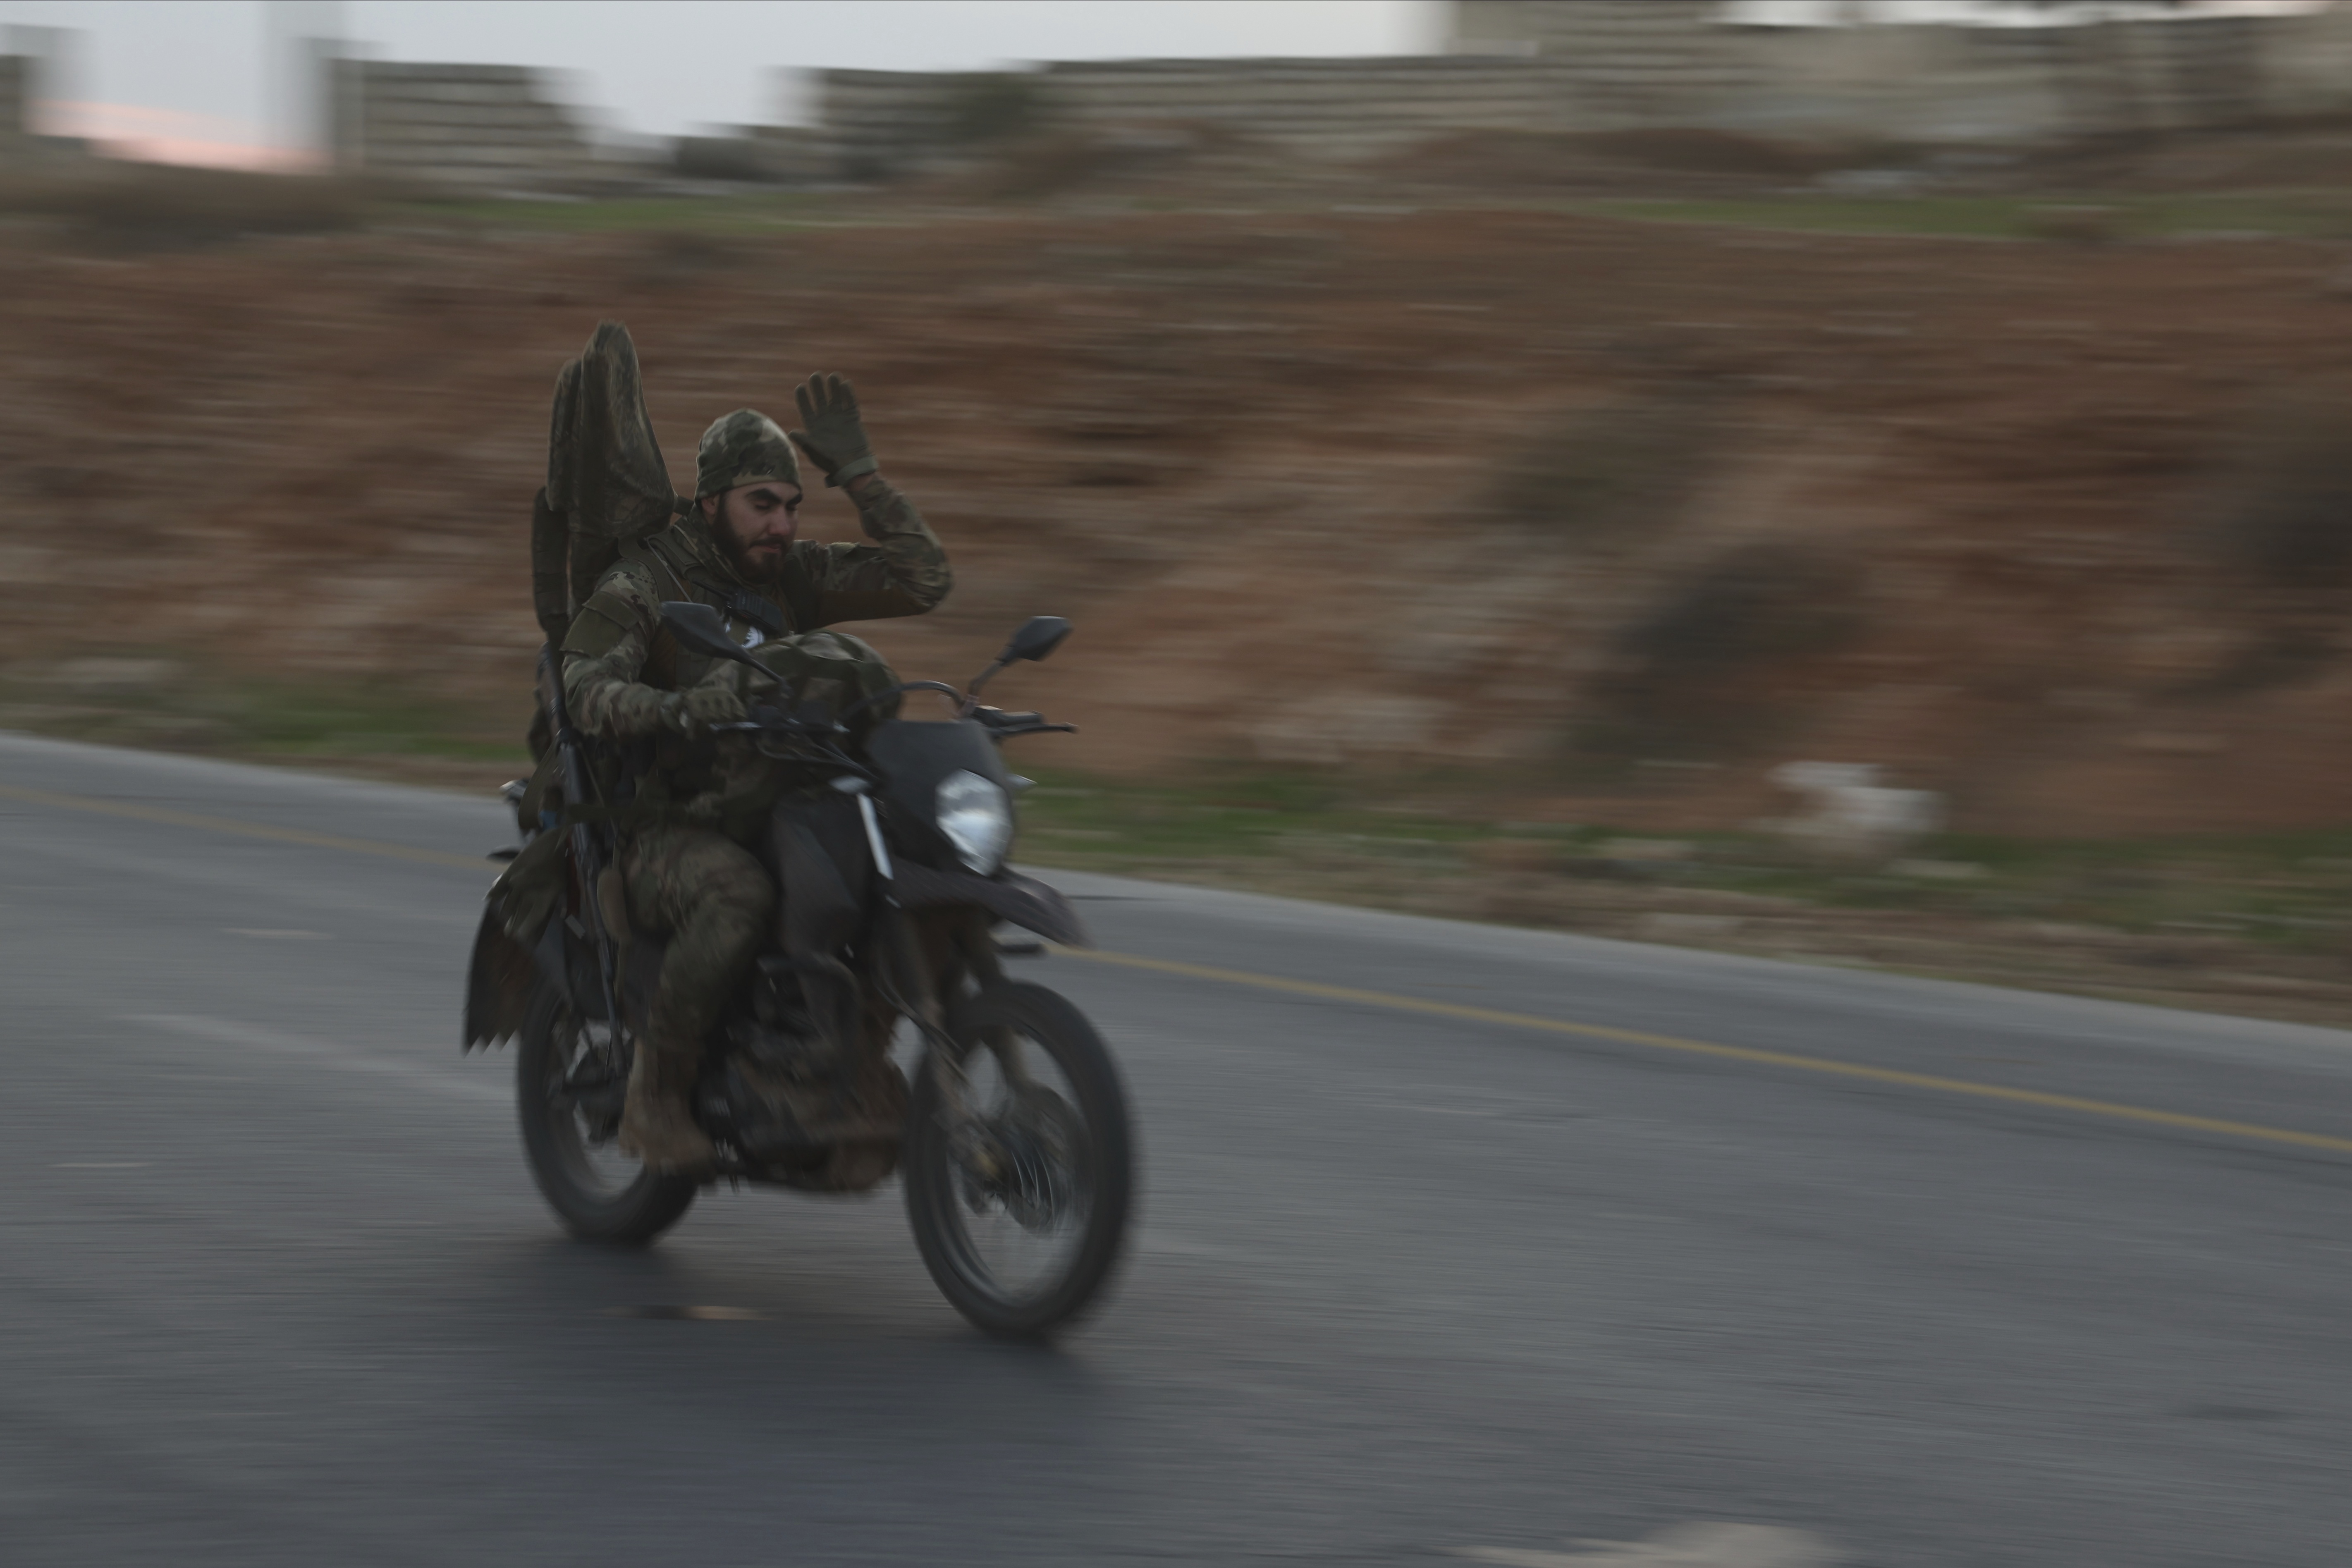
<point x="1019" y="1199"/>
<point x="568" y="1082"/>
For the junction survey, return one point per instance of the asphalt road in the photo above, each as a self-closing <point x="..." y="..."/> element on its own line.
<point x="1452" y="1240"/>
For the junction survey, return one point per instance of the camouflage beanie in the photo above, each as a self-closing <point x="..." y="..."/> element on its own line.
<point x="744" y="447"/>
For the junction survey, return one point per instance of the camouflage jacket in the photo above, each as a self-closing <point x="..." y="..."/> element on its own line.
<point x="620" y="666"/>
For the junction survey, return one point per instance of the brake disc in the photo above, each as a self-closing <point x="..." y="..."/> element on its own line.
<point x="1041" y="1137"/>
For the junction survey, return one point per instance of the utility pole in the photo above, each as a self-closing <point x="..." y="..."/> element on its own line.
<point x="302" y="40"/>
<point x="46" y="52"/>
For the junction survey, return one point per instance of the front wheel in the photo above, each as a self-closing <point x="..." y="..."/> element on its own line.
<point x="1019" y="1161"/>
<point x="569" y="1085"/>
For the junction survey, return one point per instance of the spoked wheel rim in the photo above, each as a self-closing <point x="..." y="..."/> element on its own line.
<point x="1020" y="1173"/>
<point x="599" y="1193"/>
<point x="586" y="1146"/>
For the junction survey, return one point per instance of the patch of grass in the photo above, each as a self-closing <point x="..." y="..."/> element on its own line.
<point x="131" y="207"/>
<point x="1433" y="844"/>
<point x="2290" y="891"/>
<point x="296" y="721"/>
<point x="163" y="704"/>
<point x="2003" y="218"/>
<point x="1497" y="160"/>
<point x="153" y="207"/>
<point x="1074" y="819"/>
<point x="748" y="213"/>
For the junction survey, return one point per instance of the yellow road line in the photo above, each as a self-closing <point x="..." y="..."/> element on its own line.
<point x="247" y="829"/>
<point x="2112" y="1111"/>
<point x="2145" y="1115"/>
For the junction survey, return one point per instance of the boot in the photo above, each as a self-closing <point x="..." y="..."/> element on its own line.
<point x="657" y="1123"/>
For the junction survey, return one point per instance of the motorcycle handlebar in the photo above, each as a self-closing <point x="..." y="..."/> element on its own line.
<point x="784" y="724"/>
<point x="998" y="722"/>
<point x="1004" y="726"/>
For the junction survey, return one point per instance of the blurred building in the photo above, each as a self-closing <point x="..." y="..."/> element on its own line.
<point x="483" y="128"/>
<point x="1568" y="66"/>
<point x="1537" y="66"/>
<point x="878" y="123"/>
<point x="1693" y="62"/>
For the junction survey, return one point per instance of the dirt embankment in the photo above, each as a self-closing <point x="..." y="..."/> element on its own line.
<point x="1620" y="514"/>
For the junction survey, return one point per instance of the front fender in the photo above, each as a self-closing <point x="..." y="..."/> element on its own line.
<point x="498" y="982"/>
<point x="1008" y="895"/>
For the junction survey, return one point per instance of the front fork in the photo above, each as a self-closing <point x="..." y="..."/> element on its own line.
<point x="923" y="961"/>
<point x="926" y="956"/>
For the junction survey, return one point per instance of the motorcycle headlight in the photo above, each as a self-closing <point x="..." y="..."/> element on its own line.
<point x="977" y="820"/>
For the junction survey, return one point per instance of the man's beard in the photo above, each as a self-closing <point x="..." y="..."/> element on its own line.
<point x="758" y="571"/>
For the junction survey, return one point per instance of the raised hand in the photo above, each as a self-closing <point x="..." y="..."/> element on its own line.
<point x="831" y="432"/>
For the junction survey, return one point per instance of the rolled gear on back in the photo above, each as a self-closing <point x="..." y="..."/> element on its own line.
<point x="607" y="486"/>
<point x="606" y="482"/>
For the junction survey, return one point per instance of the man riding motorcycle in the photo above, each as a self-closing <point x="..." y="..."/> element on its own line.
<point x="686" y="862"/>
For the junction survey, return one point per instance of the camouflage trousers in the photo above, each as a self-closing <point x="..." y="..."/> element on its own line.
<point x="711" y="897"/>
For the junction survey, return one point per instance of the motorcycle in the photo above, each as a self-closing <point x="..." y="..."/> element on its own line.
<point x="1014" y="1139"/>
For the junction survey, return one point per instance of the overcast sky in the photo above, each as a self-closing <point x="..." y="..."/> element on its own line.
<point x="197" y="68"/>
<point x="180" y="76"/>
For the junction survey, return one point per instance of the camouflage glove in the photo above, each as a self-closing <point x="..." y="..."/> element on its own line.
<point x="833" y="436"/>
<point x="712" y="702"/>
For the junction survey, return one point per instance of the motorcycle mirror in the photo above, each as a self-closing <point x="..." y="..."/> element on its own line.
<point x="704" y="630"/>
<point x="1036" y="638"/>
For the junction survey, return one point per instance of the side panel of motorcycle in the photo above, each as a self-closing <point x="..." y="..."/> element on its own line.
<point x="1009" y="896"/>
